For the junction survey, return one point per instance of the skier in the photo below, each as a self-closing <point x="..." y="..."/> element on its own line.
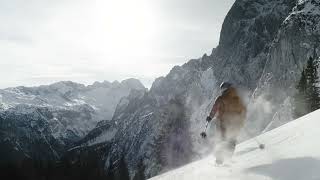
<point x="230" y="113"/>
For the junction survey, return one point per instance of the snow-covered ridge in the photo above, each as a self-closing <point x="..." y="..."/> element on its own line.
<point x="291" y="153"/>
<point x="61" y="113"/>
<point x="99" y="100"/>
<point x="103" y="97"/>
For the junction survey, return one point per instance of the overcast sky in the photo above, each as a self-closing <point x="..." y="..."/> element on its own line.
<point x="44" y="41"/>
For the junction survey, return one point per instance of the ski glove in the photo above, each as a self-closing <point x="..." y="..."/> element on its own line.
<point x="209" y="118"/>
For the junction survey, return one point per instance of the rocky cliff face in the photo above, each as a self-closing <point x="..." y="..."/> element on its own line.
<point x="247" y="33"/>
<point x="297" y="39"/>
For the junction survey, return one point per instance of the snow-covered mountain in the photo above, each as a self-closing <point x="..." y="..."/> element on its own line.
<point x="50" y="118"/>
<point x="291" y="153"/>
<point x="102" y="97"/>
<point x="263" y="46"/>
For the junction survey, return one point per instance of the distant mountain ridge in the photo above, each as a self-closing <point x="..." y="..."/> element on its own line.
<point x="50" y="118"/>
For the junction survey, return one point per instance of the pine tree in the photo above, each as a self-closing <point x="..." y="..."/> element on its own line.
<point x="122" y="170"/>
<point x="300" y="108"/>
<point x="307" y="98"/>
<point x="140" y="171"/>
<point x="312" y="90"/>
<point x="110" y="171"/>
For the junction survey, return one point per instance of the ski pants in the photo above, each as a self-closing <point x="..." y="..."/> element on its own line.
<point x="228" y="128"/>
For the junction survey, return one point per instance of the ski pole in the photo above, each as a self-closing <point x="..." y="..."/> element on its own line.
<point x="204" y="134"/>
<point x="261" y="145"/>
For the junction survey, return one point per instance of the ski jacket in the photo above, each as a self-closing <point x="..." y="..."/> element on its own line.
<point x="228" y="103"/>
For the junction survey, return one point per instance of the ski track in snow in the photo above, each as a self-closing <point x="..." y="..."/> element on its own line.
<point x="292" y="152"/>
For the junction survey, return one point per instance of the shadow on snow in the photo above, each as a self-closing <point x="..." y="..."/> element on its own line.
<point x="290" y="169"/>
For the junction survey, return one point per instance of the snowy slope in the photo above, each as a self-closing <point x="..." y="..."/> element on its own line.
<point x="292" y="152"/>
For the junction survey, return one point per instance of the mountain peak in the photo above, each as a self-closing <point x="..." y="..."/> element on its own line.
<point x="65" y="86"/>
<point x="133" y="83"/>
<point x="100" y="84"/>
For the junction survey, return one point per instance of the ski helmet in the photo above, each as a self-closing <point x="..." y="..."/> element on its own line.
<point x="225" y="85"/>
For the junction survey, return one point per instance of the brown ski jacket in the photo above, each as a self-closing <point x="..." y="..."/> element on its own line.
<point x="230" y="111"/>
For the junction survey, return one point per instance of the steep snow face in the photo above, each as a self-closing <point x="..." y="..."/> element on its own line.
<point x="290" y="154"/>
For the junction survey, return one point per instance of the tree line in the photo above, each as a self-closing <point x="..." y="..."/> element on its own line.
<point x="89" y="167"/>
<point x="307" y="96"/>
